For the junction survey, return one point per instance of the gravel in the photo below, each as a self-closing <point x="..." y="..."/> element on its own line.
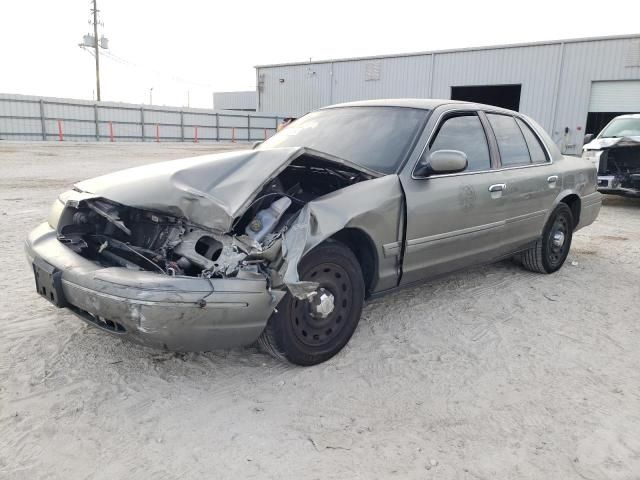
<point x="490" y="373"/>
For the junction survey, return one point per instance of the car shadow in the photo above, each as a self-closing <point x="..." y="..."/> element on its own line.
<point x="124" y="356"/>
<point x="621" y="202"/>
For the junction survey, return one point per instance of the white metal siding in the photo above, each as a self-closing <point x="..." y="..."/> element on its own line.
<point x="620" y="96"/>
<point x="556" y="79"/>
<point x="533" y="68"/>
<point x="23" y="117"/>
<point x="584" y="63"/>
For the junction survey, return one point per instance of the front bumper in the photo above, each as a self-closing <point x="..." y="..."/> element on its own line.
<point x="612" y="185"/>
<point x="169" y="312"/>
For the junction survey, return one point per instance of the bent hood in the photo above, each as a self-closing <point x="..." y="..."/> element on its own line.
<point x="209" y="190"/>
<point x="604" y="143"/>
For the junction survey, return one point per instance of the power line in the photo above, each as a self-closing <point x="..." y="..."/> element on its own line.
<point x="176" y="78"/>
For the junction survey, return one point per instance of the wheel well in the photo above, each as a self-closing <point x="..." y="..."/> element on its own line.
<point x="573" y="202"/>
<point x="363" y="248"/>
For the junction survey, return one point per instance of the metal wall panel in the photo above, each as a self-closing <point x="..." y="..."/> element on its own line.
<point x="534" y="68"/>
<point x="295" y="91"/>
<point x="24" y="117"/>
<point x="556" y="79"/>
<point x="583" y="64"/>
<point x="615" y="96"/>
<point x="398" y="77"/>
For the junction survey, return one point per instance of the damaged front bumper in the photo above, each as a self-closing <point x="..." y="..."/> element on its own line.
<point x="177" y="313"/>
<point x="628" y="185"/>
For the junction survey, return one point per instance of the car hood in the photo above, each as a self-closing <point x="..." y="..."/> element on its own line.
<point x="209" y="190"/>
<point x="604" y="143"/>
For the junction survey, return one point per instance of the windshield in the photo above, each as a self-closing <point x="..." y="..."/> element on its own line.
<point x="622" y="127"/>
<point x="375" y="137"/>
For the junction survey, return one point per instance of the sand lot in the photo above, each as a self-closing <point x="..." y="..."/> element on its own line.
<point x="495" y="373"/>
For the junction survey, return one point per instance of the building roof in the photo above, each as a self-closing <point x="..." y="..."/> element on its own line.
<point x="469" y="49"/>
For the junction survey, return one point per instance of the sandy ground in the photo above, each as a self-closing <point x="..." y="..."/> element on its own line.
<point x="491" y="373"/>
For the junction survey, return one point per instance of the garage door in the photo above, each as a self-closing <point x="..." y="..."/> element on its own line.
<point x="619" y="96"/>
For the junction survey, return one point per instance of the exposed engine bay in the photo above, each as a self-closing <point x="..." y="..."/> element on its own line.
<point x="619" y="168"/>
<point x="117" y="235"/>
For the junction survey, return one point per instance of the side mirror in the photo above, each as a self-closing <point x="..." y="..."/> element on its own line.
<point x="587" y="138"/>
<point x="256" y="145"/>
<point x="440" y="162"/>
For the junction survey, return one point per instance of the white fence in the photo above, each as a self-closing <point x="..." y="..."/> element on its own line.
<point x="25" y="117"/>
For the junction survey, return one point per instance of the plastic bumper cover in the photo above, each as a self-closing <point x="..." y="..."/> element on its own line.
<point x="169" y="312"/>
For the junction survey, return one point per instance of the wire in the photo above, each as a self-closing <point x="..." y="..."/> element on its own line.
<point x="147" y="259"/>
<point x="126" y="62"/>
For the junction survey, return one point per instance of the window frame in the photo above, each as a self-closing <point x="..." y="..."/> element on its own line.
<point x="514" y="118"/>
<point x="444" y="117"/>
<point x="547" y="157"/>
<point x="493" y="144"/>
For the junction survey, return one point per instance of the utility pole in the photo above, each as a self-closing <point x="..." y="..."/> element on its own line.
<point x="95" y="42"/>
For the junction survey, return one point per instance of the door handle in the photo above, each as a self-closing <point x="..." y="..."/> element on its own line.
<point x="552" y="179"/>
<point x="498" y="187"/>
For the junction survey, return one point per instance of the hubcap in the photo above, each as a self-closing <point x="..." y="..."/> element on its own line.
<point x="321" y="303"/>
<point x="557" y="249"/>
<point x="317" y="320"/>
<point x="558" y="239"/>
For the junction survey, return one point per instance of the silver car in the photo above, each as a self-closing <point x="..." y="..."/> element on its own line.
<point x="282" y="244"/>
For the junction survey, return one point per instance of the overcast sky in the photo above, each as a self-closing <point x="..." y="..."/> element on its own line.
<point x="202" y="46"/>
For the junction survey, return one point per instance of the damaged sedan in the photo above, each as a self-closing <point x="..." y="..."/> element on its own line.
<point x="616" y="153"/>
<point x="282" y="244"/>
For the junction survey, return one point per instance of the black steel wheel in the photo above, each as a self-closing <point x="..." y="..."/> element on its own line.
<point x="310" y="331"/>
<point x="550" y="251"/>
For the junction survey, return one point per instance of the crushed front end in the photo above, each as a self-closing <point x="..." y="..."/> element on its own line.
<point x="160" y="279"/>
<point x="618" y="167"/>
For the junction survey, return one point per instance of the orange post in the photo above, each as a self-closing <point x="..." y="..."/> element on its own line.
<point x="157" y="133"/>
<point x="233" y="135"/>
<point x="60" y="130"/>
<point x="111" y="131"/>
<point x="195" y="137"/>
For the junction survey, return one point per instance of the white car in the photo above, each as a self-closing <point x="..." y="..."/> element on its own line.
<point x="616" y="152"/>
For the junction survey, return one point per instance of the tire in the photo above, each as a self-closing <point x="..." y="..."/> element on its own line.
<point x="551" y="249"/>
<point x="297" y="331"/>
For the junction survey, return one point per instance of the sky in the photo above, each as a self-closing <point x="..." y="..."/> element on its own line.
<point x="185" y="50"/>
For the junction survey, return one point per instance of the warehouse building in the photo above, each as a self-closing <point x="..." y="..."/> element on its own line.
<point x="572" y="87"/>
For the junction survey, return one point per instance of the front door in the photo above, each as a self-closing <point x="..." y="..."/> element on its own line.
<point x="454" y="220"/>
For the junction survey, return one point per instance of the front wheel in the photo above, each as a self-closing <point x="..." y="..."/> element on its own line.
<point x="551" y="250"/>
<point x="311" y="331"/>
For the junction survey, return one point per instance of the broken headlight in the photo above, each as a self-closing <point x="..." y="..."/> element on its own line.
<point x="55" y="212"/>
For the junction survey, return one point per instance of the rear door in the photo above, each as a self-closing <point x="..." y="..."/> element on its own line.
<point x="531" y="181"/>
<point x="453" y="220"/>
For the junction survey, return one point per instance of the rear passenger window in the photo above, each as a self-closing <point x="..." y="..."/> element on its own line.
<point x="535" y="148"/>
<point x="513" y="148"/>
<point x="464" y="133"/>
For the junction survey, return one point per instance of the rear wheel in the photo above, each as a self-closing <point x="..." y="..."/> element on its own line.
<point x="551" y="250"/>
<point x="308" y="332"/>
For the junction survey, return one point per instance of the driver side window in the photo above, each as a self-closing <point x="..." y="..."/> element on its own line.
<point x="466" y="134"/>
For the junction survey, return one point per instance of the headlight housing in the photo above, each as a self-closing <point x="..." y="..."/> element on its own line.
<point x="55" y="212"/>
<point x="592" y="155"/>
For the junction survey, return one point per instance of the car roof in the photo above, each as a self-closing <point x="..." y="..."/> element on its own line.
<point x="422" y="103"/>
<point x="630" y="115"/>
